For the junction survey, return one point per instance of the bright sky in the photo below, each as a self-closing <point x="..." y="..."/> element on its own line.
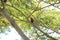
<point x="13" y="35"/>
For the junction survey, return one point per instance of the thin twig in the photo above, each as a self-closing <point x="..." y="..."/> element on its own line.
<point x="43" y="32"/>
<point x="43" y="8"/>
<point x="16" y="9"/>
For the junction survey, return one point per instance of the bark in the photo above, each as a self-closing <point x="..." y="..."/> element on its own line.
<point x="13" y="23"/>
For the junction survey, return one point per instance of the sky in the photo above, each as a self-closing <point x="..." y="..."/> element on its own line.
<point x="12" y="35"/>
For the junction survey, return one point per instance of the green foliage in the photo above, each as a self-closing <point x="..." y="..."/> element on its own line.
<point x="21" y="11"/>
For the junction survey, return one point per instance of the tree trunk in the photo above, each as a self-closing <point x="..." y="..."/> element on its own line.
<point x="13" y="23"/>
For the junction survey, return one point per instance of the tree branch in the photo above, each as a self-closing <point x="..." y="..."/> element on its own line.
<point x="42" y="31"/>
<point x="4" y="13"/>
<point x="43" y="8"/>
<point x="12" y="21"/>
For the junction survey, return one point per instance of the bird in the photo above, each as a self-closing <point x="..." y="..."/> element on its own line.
<point x="31" y="20"/>
<point x="4" y="1"/>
